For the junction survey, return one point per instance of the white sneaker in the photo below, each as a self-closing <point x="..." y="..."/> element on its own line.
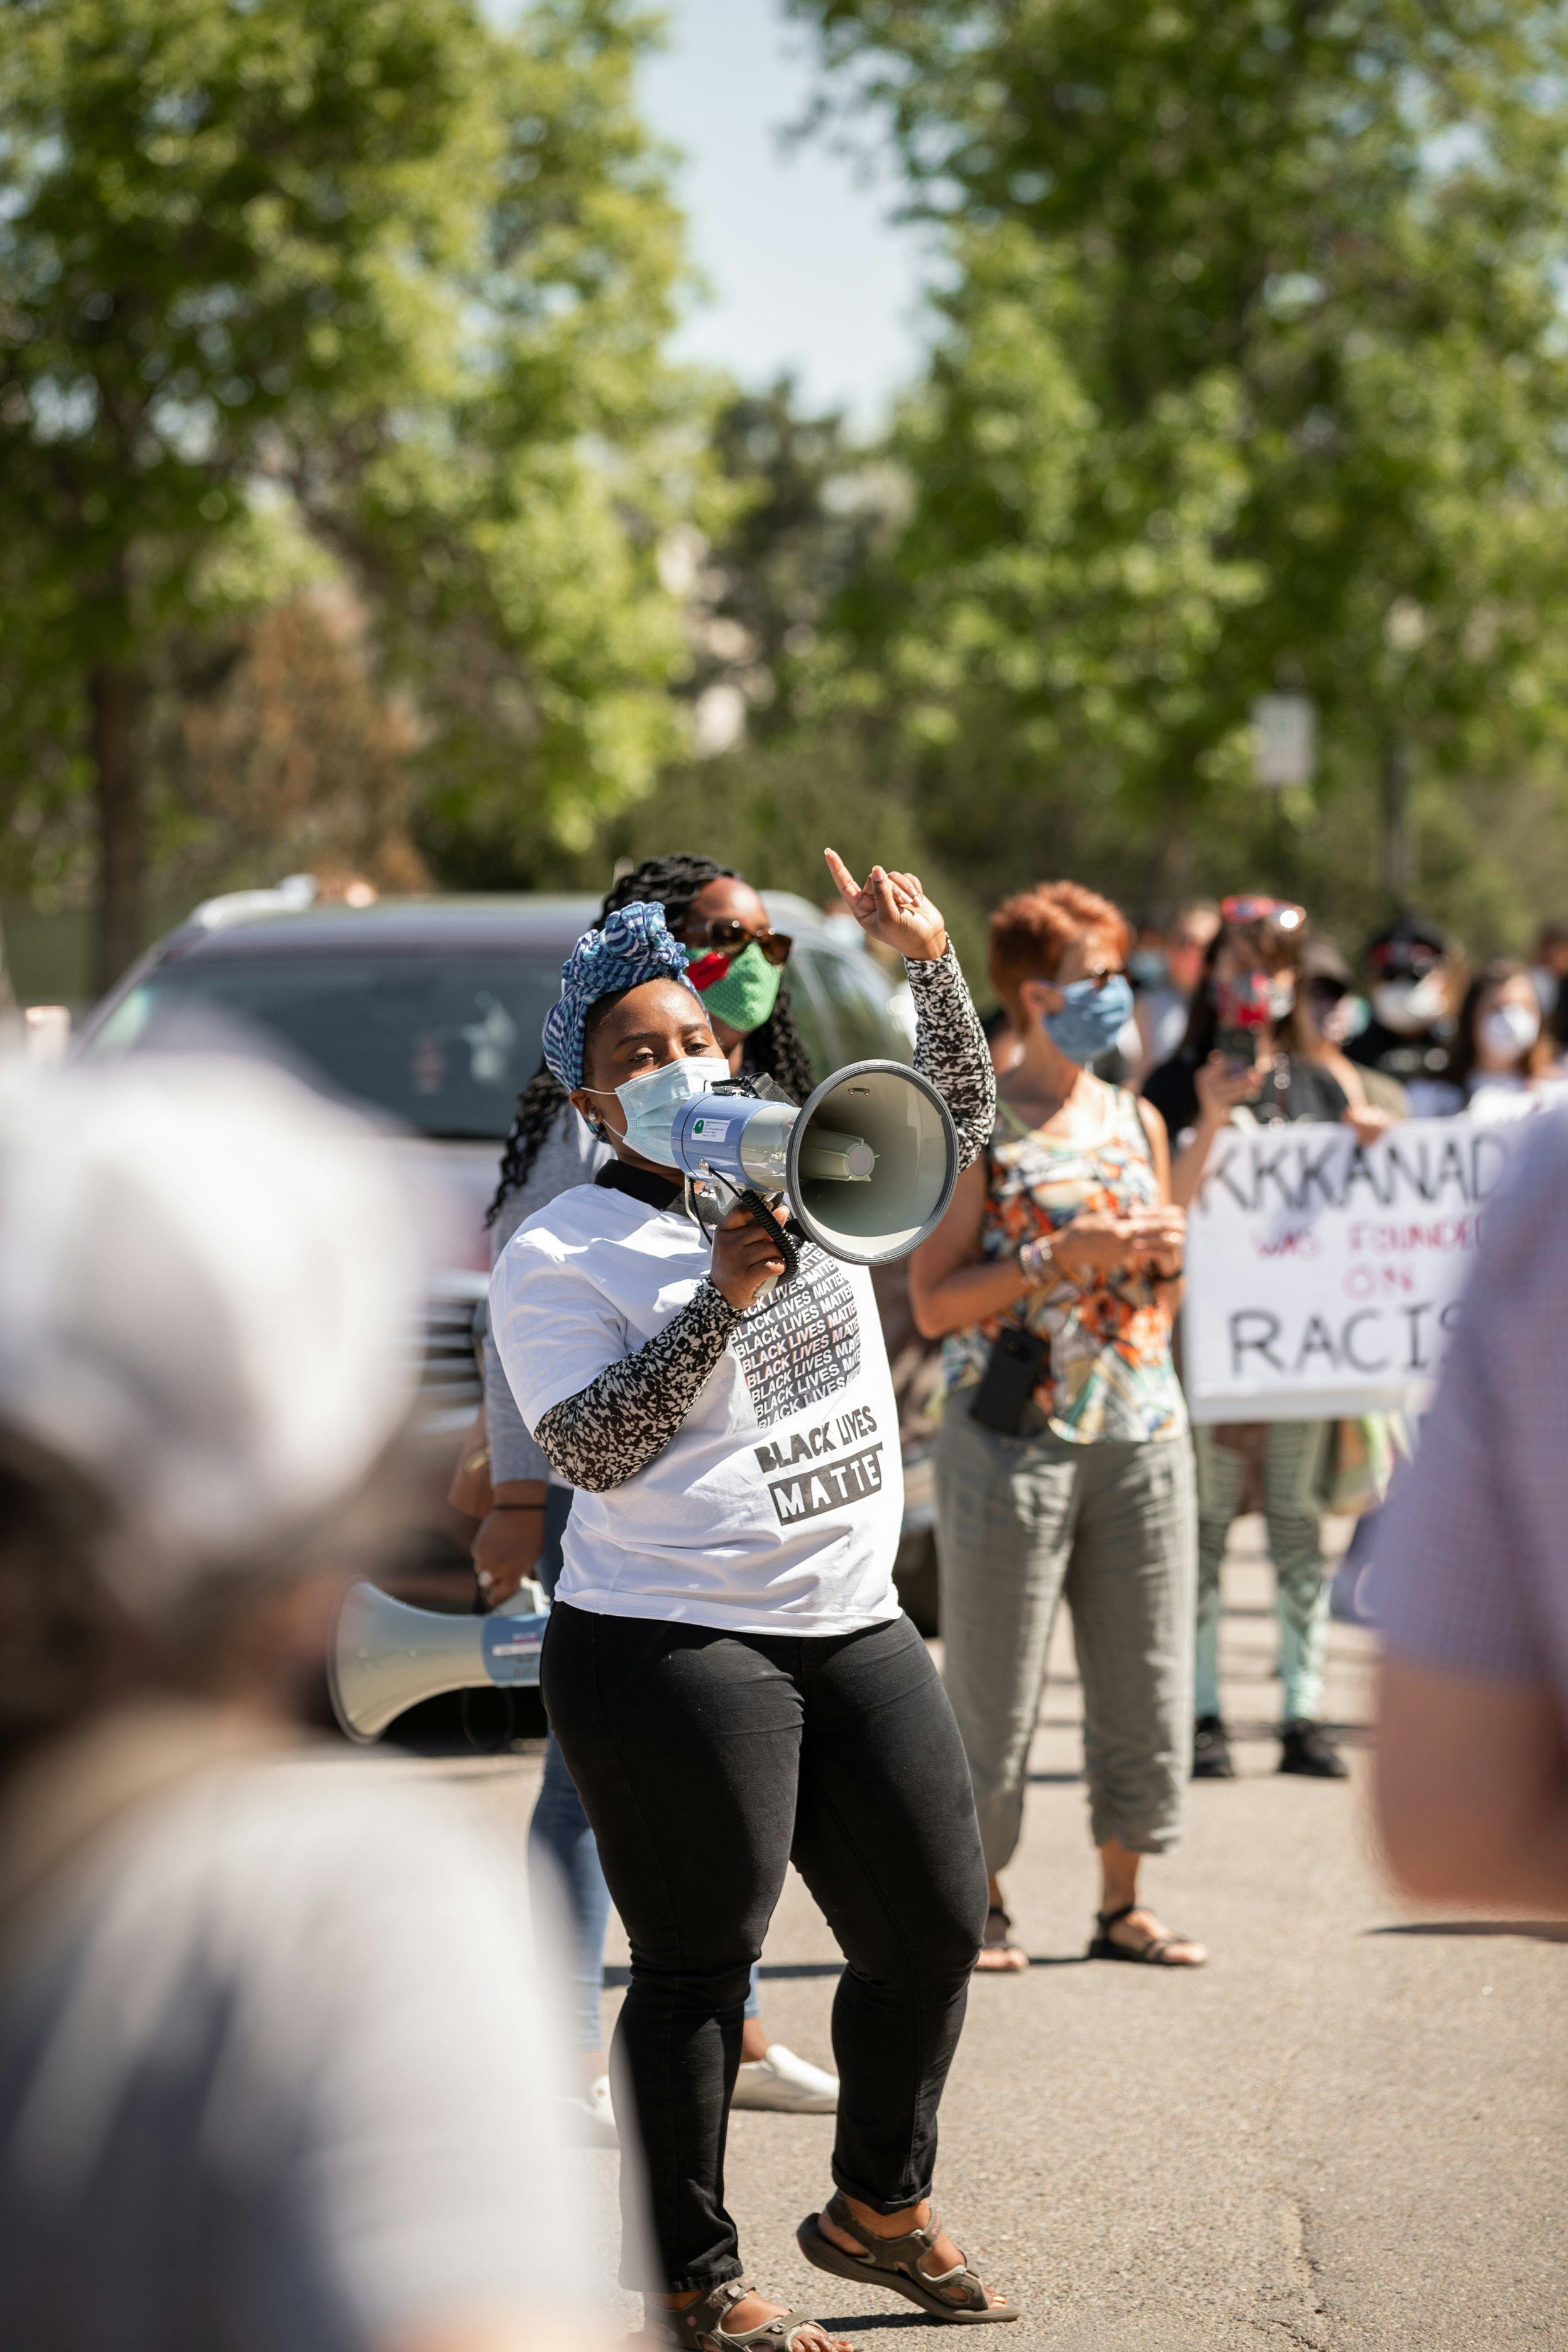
<point x="786" y="2084"/>
<point x="594" y="2116"/>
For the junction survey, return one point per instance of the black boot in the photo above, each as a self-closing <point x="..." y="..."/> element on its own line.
<point x="1211" y="1750"/>
<point x="1306" y="1747"/>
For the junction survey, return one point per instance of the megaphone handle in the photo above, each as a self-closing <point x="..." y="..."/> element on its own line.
<point x="755" y="1206"/>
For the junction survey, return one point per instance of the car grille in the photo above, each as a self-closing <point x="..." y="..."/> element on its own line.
<point x="449" y="1389"/>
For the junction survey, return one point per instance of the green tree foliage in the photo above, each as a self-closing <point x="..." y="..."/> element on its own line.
<point x="381" y="261"/>
<point x="1252" y="373"/>
<point x="808" y="511"/>
<point x="783" y="767"/>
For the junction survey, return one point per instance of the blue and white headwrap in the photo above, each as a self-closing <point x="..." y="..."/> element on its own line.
<point x="634" y="946"/>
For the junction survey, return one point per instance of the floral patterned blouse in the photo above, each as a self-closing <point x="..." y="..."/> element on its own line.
<point x="1109" y="1374"/>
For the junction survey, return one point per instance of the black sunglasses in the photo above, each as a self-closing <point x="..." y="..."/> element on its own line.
<point x="732" y="938"/>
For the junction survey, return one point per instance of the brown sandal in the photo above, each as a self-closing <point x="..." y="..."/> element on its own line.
<point x="699" y="2326"/>
<point x="894" y="2263"/>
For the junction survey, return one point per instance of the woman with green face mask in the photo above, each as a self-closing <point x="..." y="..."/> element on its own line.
<point x="737" y="962"/>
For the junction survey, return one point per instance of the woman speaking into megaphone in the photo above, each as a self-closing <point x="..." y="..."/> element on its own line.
<point x="727" y="1669"/>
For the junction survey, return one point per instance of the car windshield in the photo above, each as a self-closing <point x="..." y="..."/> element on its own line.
<point x="444" y="1044"/>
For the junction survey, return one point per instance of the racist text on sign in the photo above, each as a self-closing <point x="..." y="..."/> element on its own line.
<point x="1323" y="1275"/>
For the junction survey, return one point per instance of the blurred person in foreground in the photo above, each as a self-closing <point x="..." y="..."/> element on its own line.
<point x="1471" y="1778"/>
<point x="1501" y="1059"/>
<point x="1251" y="1057"/>
<point x="1063" y="1466"/>
<point x="276" y="2072"/>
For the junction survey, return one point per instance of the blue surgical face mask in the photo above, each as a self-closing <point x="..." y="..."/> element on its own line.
<point x="1093" y="1017"/>
<point x="651" y="1099"/>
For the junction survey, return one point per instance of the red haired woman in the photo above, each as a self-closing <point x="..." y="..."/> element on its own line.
<point x="1064" y="1464"/>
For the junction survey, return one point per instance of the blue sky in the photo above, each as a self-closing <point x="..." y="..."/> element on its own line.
<point x="806" y="270"/>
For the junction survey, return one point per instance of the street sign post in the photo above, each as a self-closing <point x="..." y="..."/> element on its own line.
<point x="1285" y="726"/>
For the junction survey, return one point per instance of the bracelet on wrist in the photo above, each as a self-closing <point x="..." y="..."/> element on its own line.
<point x="518" y="1506"/>
<point x="1036" y="1259"/>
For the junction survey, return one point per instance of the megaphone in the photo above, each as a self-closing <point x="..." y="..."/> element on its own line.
<point x="869" y="1162"/>
<point x="387" y="1656"/>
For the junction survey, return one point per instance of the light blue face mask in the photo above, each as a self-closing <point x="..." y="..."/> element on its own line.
<point x="1093" y="1017"/>
<point x="651" y="1099"/>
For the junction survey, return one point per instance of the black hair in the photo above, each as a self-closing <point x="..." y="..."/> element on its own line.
<point x="775" y="1050"/>
<point x="58" y="1625"/>
<point x="1463" y="1056"/>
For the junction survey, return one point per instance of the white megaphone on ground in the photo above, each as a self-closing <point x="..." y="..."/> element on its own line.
<point x="387" y="1656"/>
<point x="869" y="1162"/>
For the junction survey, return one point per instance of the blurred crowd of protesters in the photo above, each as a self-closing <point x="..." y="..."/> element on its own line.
<point x="276" y="2066"/>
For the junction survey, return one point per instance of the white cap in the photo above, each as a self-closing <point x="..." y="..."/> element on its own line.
<point x="208" y="1278"/>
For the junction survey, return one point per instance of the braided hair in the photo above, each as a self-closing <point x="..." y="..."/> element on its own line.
<point x="775" y="1049"/>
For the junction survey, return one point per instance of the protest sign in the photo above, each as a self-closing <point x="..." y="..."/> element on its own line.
<point x="1323" y="1275"/>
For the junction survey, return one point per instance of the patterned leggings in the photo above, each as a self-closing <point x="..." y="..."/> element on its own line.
<point x="1292" y="1468"/>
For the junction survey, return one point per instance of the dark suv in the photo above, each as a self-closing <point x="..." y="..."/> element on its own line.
<point x="428" y="1010"/>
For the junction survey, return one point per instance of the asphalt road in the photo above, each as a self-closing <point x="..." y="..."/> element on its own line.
<point x="1347" y="2131"/>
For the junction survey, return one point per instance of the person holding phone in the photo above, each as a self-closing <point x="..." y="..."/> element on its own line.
<point x="1251" y="1056"/>
<point x="732" y="1680"/>
<point x="1250" y="1043"/>
<point x="1063" y="1465"/>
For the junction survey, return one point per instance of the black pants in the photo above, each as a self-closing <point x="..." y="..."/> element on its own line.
<point x="708" y="1760"/>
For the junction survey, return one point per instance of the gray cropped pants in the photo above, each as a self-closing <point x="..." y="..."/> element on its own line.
<point x="1292" y="1473"/>
<point x="1020" y="1522"/>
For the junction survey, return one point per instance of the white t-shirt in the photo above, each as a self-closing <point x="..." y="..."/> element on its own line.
<point x="276" y="2069"/>
<point x="776" y="1506"/>
<point x="1490" y="1098"/>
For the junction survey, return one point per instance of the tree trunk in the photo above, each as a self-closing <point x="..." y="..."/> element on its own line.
<point x="115" y="694"/>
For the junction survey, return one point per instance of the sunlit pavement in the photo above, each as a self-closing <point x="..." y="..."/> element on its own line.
<point x="1347" y="2131"/>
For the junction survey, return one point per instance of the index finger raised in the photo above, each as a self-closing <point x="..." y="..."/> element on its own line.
<point x="848" y="888"/>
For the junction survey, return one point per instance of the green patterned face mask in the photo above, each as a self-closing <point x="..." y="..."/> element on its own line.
<point x="748" y="992"/>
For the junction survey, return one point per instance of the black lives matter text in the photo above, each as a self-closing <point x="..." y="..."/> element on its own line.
<point x="827" y="1485"/>
<point x="803" y="1343"/>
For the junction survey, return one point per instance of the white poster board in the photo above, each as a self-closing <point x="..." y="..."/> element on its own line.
<point x="1323" y="1277"/>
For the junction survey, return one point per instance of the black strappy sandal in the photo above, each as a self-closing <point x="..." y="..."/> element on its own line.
<point x="1151" y="1955"/>
<point x="700" y="2323"/>
<point x="894" y="2263"/>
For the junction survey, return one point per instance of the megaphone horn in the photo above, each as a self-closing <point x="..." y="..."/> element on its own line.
<point x="386" y="1656"/>
<point x="869" y="1162"/>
